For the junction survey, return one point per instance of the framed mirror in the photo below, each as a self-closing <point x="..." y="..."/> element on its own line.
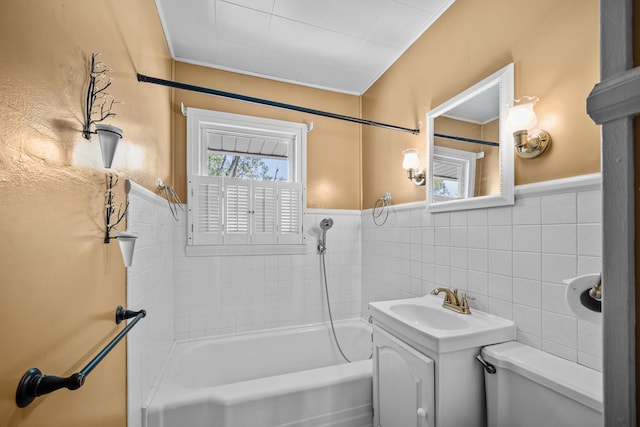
<point x="469" y="149"/>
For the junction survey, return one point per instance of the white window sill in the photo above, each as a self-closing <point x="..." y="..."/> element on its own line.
<point x="234" y="250"/>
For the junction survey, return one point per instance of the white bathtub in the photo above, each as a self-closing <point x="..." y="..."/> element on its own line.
<point x="280" y="377"/>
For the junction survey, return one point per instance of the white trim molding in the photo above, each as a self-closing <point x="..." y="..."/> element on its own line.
<point x="570" y="184"/>
<point x="133" y="188"/>
<point x="563" y="185"/>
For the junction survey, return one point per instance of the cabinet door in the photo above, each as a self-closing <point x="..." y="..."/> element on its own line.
<point x="403" y="384"/>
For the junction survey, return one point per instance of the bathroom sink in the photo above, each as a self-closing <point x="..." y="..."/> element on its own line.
<point x="425" y="324"/>
<point x="429" y="316"/>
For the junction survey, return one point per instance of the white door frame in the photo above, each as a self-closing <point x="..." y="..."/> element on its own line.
<point x="613" y="103"/>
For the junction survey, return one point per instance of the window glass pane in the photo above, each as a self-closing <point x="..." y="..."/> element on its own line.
<point x="247" y="167"/>
<point x="446" y="187"/>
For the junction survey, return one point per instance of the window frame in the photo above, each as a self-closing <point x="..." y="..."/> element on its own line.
<point x="466" y="160"/>
<point x="198" y="122"/>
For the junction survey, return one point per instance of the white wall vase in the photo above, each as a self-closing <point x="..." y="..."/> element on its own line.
<point x="127" y="243"/>
<point x="109" y="137"/>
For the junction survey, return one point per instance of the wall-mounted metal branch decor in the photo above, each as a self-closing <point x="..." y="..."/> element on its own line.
<point x="113" y="214"/>
<point x="98" y="103"/>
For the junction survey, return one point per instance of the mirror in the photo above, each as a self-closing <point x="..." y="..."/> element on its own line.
<point x="469" y="149"/>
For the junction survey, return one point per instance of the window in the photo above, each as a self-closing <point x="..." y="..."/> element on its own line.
<point x="454" y="174"/>
<point x="246" y="181"/>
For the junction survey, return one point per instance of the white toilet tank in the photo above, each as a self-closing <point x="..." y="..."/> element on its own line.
<point x="532" y="388"/>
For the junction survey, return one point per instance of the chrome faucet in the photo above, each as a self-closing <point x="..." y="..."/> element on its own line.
<point x="452" y="301"/>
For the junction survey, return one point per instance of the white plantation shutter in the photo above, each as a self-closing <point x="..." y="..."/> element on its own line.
<point x="237" y="211"/>
<point x="264" y="212"/>
<point x="290" y="212"/>
<point x="205" y="210"/>
<point x="226" y="211"/>
<point x="260" y="215"/>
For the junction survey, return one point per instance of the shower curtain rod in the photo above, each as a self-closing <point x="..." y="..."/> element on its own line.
<point x="215" y="92"/>
<point x="463" y="139"/>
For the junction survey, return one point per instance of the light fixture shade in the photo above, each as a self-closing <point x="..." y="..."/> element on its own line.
<point x="127" y="243"/>
<point x="521" y="115"/>
<point x="411" y="160"/>
<point x="109" y="137"/>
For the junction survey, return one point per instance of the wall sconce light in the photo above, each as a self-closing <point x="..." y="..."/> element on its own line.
<point x="411" y="163"/>
<point x="529" y="142"/>
<point x="98" y="105"/>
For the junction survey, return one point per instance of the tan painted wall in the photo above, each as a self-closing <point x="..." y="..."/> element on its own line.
<point x="554" y="46"/>
<point x="60" y="284"/>
<point x="333" y="146"/>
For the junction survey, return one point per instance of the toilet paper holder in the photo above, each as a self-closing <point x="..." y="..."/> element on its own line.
<point x="584" y="296"/>
<point x="596" y="291"/>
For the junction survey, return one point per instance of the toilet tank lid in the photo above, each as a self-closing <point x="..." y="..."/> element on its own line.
<point x="568" y="378"/>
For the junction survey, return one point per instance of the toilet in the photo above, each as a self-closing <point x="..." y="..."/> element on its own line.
<point x="531" y="388"/>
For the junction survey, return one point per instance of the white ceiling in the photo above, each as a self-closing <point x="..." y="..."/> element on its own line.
<point x="339" y="45"/>
<point x="481" y="108"/>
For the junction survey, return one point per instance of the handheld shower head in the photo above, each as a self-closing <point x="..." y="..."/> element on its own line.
<point x="325" y="224"/>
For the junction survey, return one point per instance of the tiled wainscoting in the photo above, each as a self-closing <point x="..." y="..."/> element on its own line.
<point x="195" y="296"/>
<point x="226" y="294"/>
<point x="150" y="287"/>
<point x="511" y="259"/>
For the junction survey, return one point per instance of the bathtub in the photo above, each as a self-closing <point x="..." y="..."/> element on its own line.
<point x="279" y="377"/>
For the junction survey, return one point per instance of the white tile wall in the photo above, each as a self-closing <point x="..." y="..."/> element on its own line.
<point x="512" y="259"/>
<point x="226" y="294"/>
<point x="149" y="287"/>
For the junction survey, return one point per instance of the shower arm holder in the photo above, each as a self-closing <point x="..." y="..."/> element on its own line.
<point x="34" y="383"/>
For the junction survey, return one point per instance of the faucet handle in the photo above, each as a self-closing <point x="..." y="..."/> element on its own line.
<point x="464" y="298"/>
<point x="464" y="304"/>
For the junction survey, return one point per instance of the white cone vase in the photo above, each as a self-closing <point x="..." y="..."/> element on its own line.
<point x="109" y="137"/>
<point x="127" y="243"/>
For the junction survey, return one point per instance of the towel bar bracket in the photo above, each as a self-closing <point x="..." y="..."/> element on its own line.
<point x="34" y="383"/>
<point x="122" y="314"/>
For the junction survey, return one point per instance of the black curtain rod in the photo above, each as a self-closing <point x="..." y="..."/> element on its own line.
<point x="463" y="139"/>
<point x="215" y="92"/>
<point x="34" y="383"/>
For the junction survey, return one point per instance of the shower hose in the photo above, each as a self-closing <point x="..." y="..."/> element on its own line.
<point x="333" y="330"/>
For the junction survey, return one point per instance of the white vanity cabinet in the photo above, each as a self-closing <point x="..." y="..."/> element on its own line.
<point x="403" y="384"/>
<point x="425" y="371"/>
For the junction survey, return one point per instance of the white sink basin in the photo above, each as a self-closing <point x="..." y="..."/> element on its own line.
<point x="429" y="317"/>
<point x="427" y="324"/>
